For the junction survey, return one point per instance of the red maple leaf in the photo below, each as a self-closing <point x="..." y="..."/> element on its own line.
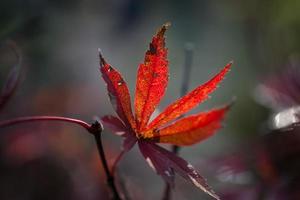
<point x="151" y="83"/>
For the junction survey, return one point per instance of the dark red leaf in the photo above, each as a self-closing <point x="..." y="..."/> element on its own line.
<point x="118" y="92"/>
<point x="157" y="163"/>
<point x="117" y="127"/>
<point x="164" y="162"/>
<point x="114" y="124"/>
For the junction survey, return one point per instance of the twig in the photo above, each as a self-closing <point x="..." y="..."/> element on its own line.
<point x="123" y="186"/>
<point x="113" y="172"/>
<point x="21" y="120"/>
<point x="189" y="51"/>
<point x="167" y="192"/>
<point x="117" y="160"/>
<point x="96" y="131"/>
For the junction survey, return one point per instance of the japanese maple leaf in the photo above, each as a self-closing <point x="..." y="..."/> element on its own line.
<point x="152" y="79"/>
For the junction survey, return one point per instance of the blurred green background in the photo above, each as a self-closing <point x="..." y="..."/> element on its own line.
<point x="60" y="76"/>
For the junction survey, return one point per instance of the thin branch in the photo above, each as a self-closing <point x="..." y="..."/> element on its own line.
<point x="189" y="52"/>
<point x="96" y="131"/>
<point x="113" y="172"/>
<point x="21" y="120"/>
<point x="117" y="160"/>
<point x="167" y="192"/>
<point x="123" y="185"/>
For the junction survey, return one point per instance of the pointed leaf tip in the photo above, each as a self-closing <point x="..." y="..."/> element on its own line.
<point x="229" y="64"/>
<point x="163" y="29"/>
<point x="118" y="92"/>
<point x="167" y="24"/>
<point x="102" y="60"/>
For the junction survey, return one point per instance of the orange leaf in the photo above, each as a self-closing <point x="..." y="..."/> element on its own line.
<point x="118" y="92"/>
<point x="189" y="101"/>
<point x="152" y="79"/>
<point x="192" y="129"/>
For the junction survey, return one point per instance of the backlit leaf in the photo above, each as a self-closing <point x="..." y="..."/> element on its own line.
<point x="151" y="83"/>
<point x="189" y="101"/>
<point x="118" y="92"/>
<point x="192" y="129"/>
<point x="152" y="78"/>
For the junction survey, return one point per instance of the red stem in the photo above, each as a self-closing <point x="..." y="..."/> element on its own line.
<point x="20" y="120"/>
<point x="114" y="166"/>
